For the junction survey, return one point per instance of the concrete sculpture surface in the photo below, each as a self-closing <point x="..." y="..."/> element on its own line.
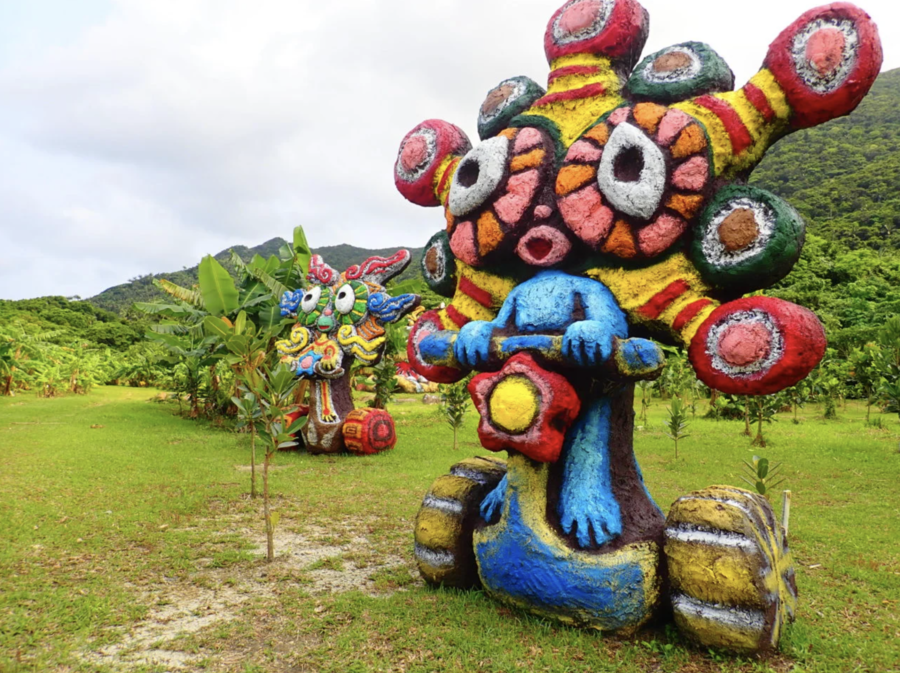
<point x="615" y="202"/>
<point x="342" y="317"/>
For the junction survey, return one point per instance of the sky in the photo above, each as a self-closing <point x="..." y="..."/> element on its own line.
<point x="137" y="136"/>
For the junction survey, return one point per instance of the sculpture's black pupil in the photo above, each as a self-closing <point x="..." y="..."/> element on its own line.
<point x="467" y="174"/>
<point x="629" y="165"/>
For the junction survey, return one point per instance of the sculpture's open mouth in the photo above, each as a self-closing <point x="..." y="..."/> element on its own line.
<point x="543" y="246"/>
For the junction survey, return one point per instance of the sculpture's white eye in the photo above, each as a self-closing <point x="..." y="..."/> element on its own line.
<point x="478" y="175"/>
<point x="311" y="299"/>
<point x="632" y="173"/>
<point x="344" y="299"/>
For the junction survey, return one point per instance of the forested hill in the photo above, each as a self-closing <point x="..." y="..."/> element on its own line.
<point x="844" y="176"/>
<point x="120" y="298"/>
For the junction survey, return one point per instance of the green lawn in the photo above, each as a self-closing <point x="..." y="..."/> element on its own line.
<point x="129" y="543"/>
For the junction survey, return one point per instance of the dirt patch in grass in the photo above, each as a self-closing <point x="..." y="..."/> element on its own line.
<point x="234" y="578"/>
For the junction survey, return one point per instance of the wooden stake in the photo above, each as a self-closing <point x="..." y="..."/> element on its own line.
<point x="785" y="510"/>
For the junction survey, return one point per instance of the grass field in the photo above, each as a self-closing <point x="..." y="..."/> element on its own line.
<point x="129" y="543"/>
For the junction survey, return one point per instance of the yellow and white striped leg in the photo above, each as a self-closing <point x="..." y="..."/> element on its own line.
<point x="731" y="573"/>
<point x="445" y="522"/>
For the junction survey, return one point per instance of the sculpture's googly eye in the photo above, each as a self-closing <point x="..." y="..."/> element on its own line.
<point x="508" y="99"/>
<point x="680" y="72"/>
<point x="311" y="299"/>
<point x="438" y="265"/>
<point x="581" y="20"/>
<point x="479" y="173"/>
<point x="825" y="62"/>
<point x="344" y="299"/>
<point x="417" y="154"/>
<point x="423" y="153"/>
<point x="632" y="172"/>
<point x="825" y="52"/>
<point x="747" y="342"/>
<point x="675" y="65"/>
<point x="746" y="239"/>
<point x="757" y="346"/>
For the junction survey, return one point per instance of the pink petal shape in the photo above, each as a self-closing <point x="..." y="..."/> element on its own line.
<point x="528" y="137"/>
<point x="415" y="152"/>
<point x="745" y="343"/>
<point x="671" y="126"/>
<point x="660" y="235"/>
<point x="462" y="243"/>
<point x="619" y="116"/>
<point x="587" y="217"/>
<point x="542" y="212"/>
<point x="579" y="16"/>
<point x="520" y="191"/>
<point x="584" y="152"/>
<point x="692" y="175"/>
<point x="825" y="50"/>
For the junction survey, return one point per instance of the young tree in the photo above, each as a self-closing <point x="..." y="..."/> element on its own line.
<point x="761" y="475"/>
<point x="765" y="407"/>
<point x="646" y="388"/>
<point x="274" y="389"/>
<point x="798" y="396"/>
<point x="677" y="423"/>
<point x="454" y="405"/>
<point x="889" y="362"/>
<point x="866" y="371"/>
<point x="385" y="383"/>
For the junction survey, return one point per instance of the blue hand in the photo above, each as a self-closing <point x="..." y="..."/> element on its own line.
<point x="586" y="500"/>
<point x="588" y="343"/>
<point x="490" y="506"/>
<point x="473" y="345"/>
<point x="600" y="515"/>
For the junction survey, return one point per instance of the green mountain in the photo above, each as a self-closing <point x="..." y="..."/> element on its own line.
<point x="119" y="299"/>
<point x="844" y="176"/>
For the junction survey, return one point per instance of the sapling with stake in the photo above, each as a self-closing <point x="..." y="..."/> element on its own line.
<point x="762" y="475"/>
<point x="677" y="423"/>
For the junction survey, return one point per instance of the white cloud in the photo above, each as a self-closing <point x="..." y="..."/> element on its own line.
<point x="173" y="128"/>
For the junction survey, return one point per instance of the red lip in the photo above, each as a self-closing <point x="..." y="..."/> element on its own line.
<point x="539" y="247"/>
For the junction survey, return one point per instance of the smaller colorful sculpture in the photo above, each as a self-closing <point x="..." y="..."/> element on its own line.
<point x="341" y="317"/>
<point x="411" y="381"/>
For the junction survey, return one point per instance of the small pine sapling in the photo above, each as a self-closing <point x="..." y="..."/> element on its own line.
<point x="677" y="423"/>
<point x="453" y="407"/>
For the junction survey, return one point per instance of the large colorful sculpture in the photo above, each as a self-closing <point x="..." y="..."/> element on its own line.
<point x="341" y="317"/>
<point x="610" y="205"/>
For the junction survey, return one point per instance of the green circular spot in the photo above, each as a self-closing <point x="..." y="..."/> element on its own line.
<point x="680" y="72"/>
<point x="439" y="265"/>
<point x="747" y="239"/>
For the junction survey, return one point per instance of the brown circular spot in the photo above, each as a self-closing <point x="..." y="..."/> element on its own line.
<point x="738" y="230"/>
<point x="671" y="62"/>
<point x="495" y="98"/>
<point x="433" y="262"/>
